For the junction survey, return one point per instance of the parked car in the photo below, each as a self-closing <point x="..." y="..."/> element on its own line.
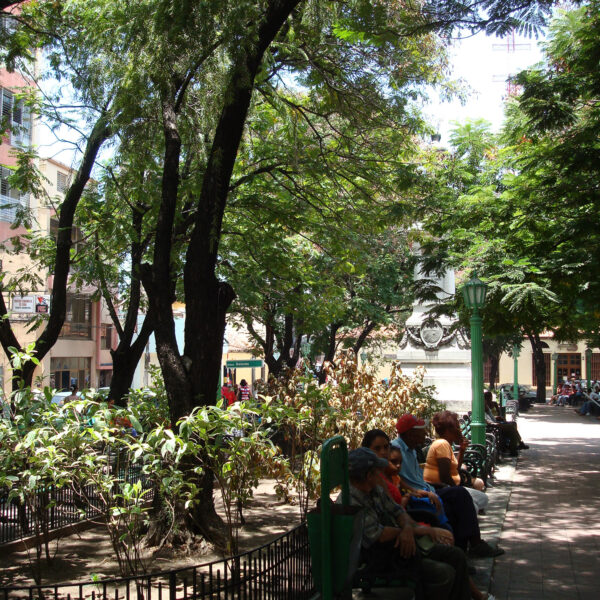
<point x="527" y="395"/>
<point x="59" y="397"/>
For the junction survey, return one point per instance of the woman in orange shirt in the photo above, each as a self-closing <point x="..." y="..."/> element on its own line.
<point x="442" y="466"/>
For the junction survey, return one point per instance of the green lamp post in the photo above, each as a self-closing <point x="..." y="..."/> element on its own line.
<point x="474" y="292"/>
<point x="516" y="354"/>
<point x="555" y="386"/>
<point x="588" y="367"/>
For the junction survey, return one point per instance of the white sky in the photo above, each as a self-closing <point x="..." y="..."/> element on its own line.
<point x="484" y="64"/>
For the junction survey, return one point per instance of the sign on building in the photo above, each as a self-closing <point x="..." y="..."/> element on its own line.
<point x="38" y="303"/>
<point x="252" y="363"/>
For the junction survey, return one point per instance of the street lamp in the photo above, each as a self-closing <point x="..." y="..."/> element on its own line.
<point x="555" y="386"/>
<point x="516" y="354"/>
<point x="474" y="292"/>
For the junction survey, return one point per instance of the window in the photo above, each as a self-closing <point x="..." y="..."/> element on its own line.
<point x="104" y="378"/>
<point x="62" y="182"/>
<point x="78" y="322"/>
<point x="568" y="365"/>
<point x="76" y="235"/>
<point x="548" y="370"/>
<point x="106" y="337"/>
<point x="69" y="371"/>
<point x="7" y="23"/>
<point x="595" y="366"/>
<point x="17" y="117"/>
<point x="11" y="200"/>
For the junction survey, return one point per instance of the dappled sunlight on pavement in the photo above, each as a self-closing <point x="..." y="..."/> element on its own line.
<point x="552" y="526"/>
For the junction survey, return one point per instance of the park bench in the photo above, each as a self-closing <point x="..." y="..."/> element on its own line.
<point x="480" y="459"/>
<point x="335" y="535"/>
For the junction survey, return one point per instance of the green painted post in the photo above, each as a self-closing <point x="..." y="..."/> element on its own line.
<point x="516" y="354"/>
<point x="477" y="409"/>
<point x="588" y="367"/>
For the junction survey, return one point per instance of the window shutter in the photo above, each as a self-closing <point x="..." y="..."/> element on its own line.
<point x="61" y="181"/>
<point x="7" y="102"/>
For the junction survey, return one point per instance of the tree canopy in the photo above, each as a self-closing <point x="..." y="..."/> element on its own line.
<point x="282" y="120"/>
<point x="521" y="208"/>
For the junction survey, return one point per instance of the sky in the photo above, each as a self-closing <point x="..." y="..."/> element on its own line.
<point x="483" y="63"/>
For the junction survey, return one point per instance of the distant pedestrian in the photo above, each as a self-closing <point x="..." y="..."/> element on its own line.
<point x="228" y="394"/>
<point x="73" y="395"/>
<point x="244" y="392"/>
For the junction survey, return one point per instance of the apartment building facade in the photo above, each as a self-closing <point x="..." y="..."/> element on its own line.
<point x="81" y="355"/>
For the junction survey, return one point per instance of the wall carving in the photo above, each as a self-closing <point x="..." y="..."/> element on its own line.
<point x="431" y="335"/>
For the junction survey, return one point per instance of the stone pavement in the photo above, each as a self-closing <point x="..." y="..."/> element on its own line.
<point x="544" y="510"/>
<point x="551" y="532"/>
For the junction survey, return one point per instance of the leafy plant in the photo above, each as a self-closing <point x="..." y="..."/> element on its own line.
<point x="233" y="442"/>
<point x="351" y="402"/>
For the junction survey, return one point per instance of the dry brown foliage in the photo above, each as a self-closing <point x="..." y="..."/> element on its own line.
<point x="351" y="402"/>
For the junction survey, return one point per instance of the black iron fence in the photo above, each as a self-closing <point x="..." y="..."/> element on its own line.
<point x="54" y="508"/>
<point x="278" y="570"/>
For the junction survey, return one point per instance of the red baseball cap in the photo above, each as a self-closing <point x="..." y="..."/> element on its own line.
<point x="407" y="422"/>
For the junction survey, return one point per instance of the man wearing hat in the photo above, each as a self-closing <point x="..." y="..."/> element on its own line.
<point x="458" y="504"/>
<point x="389" y="534"/>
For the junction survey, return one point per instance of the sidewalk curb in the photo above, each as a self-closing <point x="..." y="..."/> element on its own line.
<point x="492" y="523"/>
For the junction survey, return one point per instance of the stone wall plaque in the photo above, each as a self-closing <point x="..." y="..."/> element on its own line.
<point x="431" y="334"/>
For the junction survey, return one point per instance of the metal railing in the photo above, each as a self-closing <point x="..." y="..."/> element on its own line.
<point x="280" y="569"/>
<point x="58" y="507"/>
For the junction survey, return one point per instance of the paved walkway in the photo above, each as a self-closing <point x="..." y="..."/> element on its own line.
<point x="551" y="531"/>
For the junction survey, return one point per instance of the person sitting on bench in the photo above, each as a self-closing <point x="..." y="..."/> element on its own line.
<point x="508" y="431"/>
<point x="592" y="400"/>
<point x="422" y="500"/>
<point x="390" y="536"/>
<point x="458" y="504"/>
<point x="442" y="467"/>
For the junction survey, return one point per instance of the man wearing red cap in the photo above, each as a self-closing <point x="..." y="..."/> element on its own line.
<point x="457" y="501"/>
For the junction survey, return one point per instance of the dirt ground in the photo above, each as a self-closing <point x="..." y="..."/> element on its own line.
<point x="87" y="554"/>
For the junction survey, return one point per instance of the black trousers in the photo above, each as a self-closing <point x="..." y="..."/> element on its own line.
<point x="461" y="513"/>
<point x="440" y="575"/>
<point x="451" y="558"/>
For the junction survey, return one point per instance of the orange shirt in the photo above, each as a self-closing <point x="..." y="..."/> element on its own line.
<point x="440" y="449"/>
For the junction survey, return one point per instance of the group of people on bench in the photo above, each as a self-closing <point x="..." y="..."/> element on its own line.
<point x="387" y="481"/>
<point x="591" y="401"/>
<point x="573" y="392"/>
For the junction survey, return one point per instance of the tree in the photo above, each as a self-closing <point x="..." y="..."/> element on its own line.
<point x="114" y="221"/>
<point x="195" y="69"/>
<point x="552" y="128"/>
<point x="60" y="265"/>
<point x="282" y="36"/>
<point x="476" y="219"/>
<point x="98" y="110"/>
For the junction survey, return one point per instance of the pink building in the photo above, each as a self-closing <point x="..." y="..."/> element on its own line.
<point x="82" y="354"/>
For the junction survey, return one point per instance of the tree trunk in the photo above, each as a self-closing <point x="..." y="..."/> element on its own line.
<point x="362" y="338"/>
<point x="275" y="365"/>
<point x="128" y="353"/>
<point x="540" y="366"/>
<point x="125" y="360"/>
<point x="62" y="263"/>
<point x="331" y="346"/>
<point x="494" y="366"/>
<point x="192" y="379"/>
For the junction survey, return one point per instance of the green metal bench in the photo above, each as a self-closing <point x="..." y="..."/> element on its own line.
<point x="335" y="533"/>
